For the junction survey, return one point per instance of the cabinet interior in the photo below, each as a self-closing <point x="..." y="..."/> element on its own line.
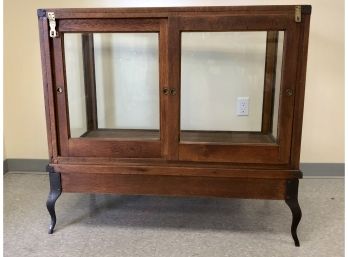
<point x="114" y="93"/>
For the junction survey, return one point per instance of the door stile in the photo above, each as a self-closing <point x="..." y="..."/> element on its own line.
<point x="61" y="93"/>
<point x="48" y="86"/>
<point x="287" y="91"/>
<point x="269" y="84"/>
<point x="173" y="98"/>
<point x="303" y="30"/>
<point x="89" y="80"/>
<point x="163" y="85"/>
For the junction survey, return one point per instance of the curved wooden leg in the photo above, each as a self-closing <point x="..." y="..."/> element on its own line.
<point x="292" y="201"/>
<point x="296" y="217"/>
<point x="55" y="191"/>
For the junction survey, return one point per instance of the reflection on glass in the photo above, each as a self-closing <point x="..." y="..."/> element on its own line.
<point x="217" y="69"/>
<point x="75" y="83"/>
<point x="113" y="85"/>
<point x="279" y="49"/>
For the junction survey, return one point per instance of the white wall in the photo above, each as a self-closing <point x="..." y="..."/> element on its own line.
<point x="127" y="81"/>
<point x="74" y="76"/>
<point x="216" y="69"/>
<point x="127" y="68"/>
<point x="24" y="121"/>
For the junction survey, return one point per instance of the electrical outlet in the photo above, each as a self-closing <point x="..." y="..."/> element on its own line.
<point x="243" y="106"/>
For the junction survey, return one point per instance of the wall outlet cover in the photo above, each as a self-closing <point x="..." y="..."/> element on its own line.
<point x="243" y="106"/>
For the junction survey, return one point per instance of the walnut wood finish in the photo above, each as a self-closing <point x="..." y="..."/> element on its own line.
<point x="89" y="80"/>
<point x="269" y="84"/>
<point x="173" y="111"/>
<point x="165" y="118"/>
<point x="61" y="98"/>
<point x="170" y="161"/>
<point x="203" y="137"/>
<point x="127" y="134"/>
<point x="165" y="169"/>
<point x="249" y="153"/>
<point x="160" y="161"/>
<point x="109" y="25"/>
<point x="300" y="91"/>
<point x="47" y="77"/>
<point x="174" y="185"/>
<point x="225" y="137"/>
<point x="164" y="12"/>
<point x="114" y="148"/>
<point x="279" y="153"/>
<point x="99" y="148"/>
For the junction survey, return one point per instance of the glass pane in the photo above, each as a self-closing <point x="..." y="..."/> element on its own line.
<point x="279" y="49"/>
<point x="75" y="84"/>
<point x="113" y="85"/>
<point x="224" y="89"/>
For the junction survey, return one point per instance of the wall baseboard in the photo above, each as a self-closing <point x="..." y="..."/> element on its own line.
<point x="5" y="166"/>
<point x="322" y="169"/>
<point x="308" y="169"/>
<point x="25" y="165"/>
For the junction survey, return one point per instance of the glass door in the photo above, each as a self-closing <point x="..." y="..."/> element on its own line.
<point x="109" y="81"/>
<point x="236" y="89"/>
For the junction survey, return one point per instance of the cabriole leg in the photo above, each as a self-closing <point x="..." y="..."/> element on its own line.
<point x="55" y="191"/>
<point x="292" y="201"/>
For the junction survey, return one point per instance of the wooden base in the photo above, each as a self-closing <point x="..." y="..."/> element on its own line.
<point x="211" y="183"/>
<point x="174" y="185"/>
<point x="176" y="179"/>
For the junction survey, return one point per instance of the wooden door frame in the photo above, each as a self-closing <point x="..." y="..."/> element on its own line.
<point x="269" y="81"/>
<point x="275" y="153"/>
<point x="115" y="148"/>
<point x="89" y="80"/>
<point x="66" y="17"/>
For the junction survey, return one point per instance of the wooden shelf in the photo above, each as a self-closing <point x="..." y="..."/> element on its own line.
<point x="126" y="134"/>
<point x="228" y="137"/>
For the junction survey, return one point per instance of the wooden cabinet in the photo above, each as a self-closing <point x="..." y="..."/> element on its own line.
<point x="198" y="101"/>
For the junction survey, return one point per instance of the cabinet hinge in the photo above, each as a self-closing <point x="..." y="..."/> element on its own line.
<point x="52" y="22"/>
<point x="298" y="13"/>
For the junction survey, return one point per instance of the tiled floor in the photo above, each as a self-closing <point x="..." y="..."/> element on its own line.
<point x="110" y="225"/>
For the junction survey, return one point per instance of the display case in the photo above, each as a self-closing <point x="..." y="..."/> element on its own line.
<point x="194" y="101"/>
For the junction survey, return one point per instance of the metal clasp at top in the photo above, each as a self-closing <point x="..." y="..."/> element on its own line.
<point x="298" y="13"/>
<point x="52" y="22"/>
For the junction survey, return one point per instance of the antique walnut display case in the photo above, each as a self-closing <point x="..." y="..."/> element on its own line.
<point x="194" y="101"/>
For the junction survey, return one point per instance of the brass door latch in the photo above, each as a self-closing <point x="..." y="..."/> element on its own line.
<point x="52" y="22"/>
<point x="298" y="13"/>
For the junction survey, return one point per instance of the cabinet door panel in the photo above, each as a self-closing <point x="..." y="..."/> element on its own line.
<point x="109" y="79"/>
<point x="123" y="97"/>
<point x="236" y="89"/>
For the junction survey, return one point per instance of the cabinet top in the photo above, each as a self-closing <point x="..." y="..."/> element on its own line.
<point x="167" y="11"/>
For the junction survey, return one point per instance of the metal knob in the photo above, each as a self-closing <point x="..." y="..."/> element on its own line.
<point x="173" y="91"/>
<point x="59" y="90"/>
<point x="165" y="91"/>
<point x="289" y="92"/>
